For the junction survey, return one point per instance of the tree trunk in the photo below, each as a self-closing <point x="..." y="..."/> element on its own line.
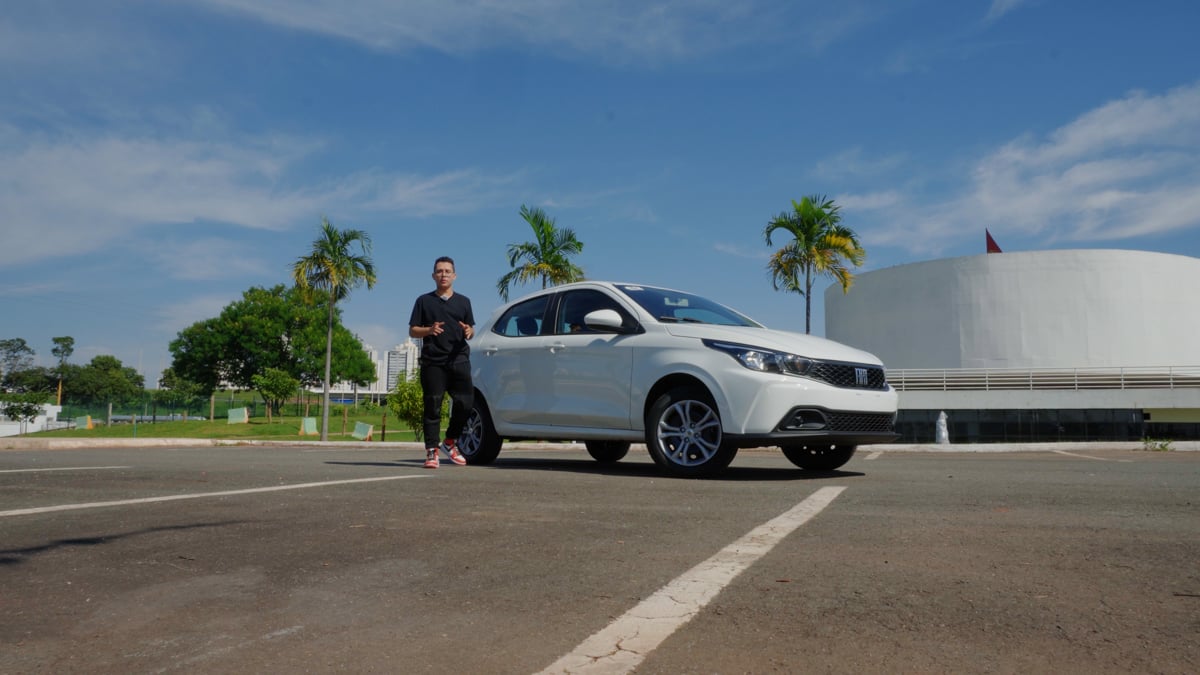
<point x="328" y="362"/>
<point x="808" y="300"/>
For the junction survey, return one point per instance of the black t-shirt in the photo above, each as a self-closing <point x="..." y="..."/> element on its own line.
<point x="451" y="346"/>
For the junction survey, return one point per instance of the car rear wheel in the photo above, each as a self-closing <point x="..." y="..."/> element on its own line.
<point x="684" y="434"/>
<point x="607" y="452"/>
<point x="479" y="442"/>
<point x="819" y="457"/>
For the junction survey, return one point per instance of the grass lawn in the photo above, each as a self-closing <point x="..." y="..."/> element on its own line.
<point x="257" y="429"/>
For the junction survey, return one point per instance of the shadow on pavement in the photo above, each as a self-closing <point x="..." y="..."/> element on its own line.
<point x="16" y="556"/>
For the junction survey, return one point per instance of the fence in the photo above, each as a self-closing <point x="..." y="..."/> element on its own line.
<point x="991" y="379"/>
<point x="146" y="410"/>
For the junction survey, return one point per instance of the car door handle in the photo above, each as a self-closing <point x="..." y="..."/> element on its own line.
<point x="556" y="347"/>
<point x="489" y="350"/>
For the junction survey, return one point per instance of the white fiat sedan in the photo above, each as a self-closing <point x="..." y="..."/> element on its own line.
<point x="611" y="364"/>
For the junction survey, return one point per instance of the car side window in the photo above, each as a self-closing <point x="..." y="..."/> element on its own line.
<point x="575" y="305"/>
<point x="523" y="320"/>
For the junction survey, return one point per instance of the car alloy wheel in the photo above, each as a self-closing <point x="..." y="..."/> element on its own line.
<point x="479" y="442"/>
<point x="684" y="434"/>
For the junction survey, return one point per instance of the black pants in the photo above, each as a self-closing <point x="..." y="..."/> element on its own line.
<point x="436" y="382"/>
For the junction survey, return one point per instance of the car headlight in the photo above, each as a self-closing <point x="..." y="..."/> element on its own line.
<point x="763" y="360"/>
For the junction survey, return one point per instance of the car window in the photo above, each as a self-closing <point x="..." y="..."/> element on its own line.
<point x="575" y="305"/>
<point x="523" y="320"/>
<point x="677" y="307"/>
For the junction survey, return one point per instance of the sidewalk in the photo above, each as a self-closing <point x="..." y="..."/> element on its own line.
<point x="19" y="443"/>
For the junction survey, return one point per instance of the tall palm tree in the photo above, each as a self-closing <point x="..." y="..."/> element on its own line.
<point x="819" y="246"/>
<point x="330" y="272"/>
<point x="547" y="258"/>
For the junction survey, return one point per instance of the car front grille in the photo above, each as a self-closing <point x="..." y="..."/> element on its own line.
<point x="860" y="422"/>
<point x="848" y="375"/>
<point x="818" y="419"/>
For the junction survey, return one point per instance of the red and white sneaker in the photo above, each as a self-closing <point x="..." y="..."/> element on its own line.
<point x="450" y="448"/>
<point x="431" y="458"/>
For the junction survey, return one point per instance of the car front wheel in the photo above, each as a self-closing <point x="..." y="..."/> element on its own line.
<point x="607" y="452"/>
<point x="819" y="457"/>
<point x="684" y="434"/>
<point x="479" y="442"/>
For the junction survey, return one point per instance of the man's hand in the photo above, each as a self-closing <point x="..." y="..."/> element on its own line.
<point x="436" y="328"/>
<point x="467" y="330"/>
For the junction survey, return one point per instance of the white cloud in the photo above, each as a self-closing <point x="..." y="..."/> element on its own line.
<point x="630" y="30"/>
<point x="208" y="259"/>
<point x="459" y="191"/>
<point x="872" y="201"/>
<point x="853" y="162"/>
<point x="1001" y="7"/>
<point x="739" y="251"/>
<point x="176" y="315"/>
<point x="1128" y="169"/>
<point x="72" y="194"/>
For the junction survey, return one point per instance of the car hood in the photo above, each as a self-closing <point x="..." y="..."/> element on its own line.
<point x="809" y="346"/>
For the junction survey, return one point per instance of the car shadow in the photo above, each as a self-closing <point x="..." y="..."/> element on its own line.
<point x="645" y="469"/>
<point x="732" y="473"/>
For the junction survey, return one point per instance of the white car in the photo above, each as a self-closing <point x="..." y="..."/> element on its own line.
<point x="611" y="364"/>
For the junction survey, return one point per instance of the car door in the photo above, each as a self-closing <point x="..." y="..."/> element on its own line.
<point x="592" y="369"/>
<point x="514" y="367"/>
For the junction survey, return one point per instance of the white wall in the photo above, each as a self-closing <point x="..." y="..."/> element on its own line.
<point x="1038" y="309"/>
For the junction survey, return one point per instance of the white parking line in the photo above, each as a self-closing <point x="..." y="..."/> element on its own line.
<point x="874" y="455"/>
<point x="1098" y="459"/>
<point x="624" y="643"/>
<point x="64" y="468"/>
<point x="201" y="495"/>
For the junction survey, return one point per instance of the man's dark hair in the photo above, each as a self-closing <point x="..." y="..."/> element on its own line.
<point x="443" y="259"/>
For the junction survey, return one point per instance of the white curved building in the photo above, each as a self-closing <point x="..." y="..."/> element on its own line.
<point x="1071" y="330"/>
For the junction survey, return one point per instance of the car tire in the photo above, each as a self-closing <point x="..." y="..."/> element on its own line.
<point x="819" y="457"/>
<point x="479" y="442"/>
<point x="607" y="452"/>
<point x="684" y="434"/>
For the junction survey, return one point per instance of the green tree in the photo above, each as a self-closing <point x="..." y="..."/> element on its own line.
<point x="15" y="355"/>
<point x="548" y="257"/>
<point x="178" y="393"/>
<point x="31" y="379"/>
<point x="339" y="262"/>
<point x="267" y="328"/>
<point x="275" y="386"/>
<point x="104" y="380"/>
<point x="64" y="347"/>
<point x="407" y="403"/>
<point x="24" y="407"/>
<point x="819" y="245"/>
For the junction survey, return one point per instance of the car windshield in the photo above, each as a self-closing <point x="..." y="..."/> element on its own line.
<point x="676" y="307"/>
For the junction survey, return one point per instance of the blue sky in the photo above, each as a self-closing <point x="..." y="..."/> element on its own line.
<point x="159" y="158"/>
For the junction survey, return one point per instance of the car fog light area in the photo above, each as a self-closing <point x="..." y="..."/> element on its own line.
<point x="804" y="420"/>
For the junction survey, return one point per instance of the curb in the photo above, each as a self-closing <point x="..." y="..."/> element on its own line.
<point x="18" y="444"/>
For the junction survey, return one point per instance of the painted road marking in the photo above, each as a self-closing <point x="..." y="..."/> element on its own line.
<point x="624" y="643"/>
<point x="64" y="468"/>
<point x="874" y="455"/>
<point x="1098" y="459"/>
<point x="201" y="495"/>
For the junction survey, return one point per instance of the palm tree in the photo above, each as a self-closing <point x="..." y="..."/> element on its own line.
<point x="547" y="258"/>
<point x="330" y="272"/>
<point x="819" y="245"/>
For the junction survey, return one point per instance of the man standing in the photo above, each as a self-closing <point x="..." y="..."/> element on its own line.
<point x="444" y="321"/>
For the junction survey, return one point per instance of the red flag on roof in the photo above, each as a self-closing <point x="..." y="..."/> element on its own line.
<point x="992" y="247"/>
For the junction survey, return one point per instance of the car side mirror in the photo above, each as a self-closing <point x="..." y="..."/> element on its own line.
<point x="606" y="320"/>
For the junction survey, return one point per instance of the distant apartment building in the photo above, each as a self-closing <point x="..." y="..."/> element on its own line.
<point x="395" y="365"/>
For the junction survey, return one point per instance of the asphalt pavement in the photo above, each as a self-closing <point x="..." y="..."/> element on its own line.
<point x="202" y="557"/>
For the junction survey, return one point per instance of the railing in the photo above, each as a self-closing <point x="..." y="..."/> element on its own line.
<point x="990" y="379"/>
